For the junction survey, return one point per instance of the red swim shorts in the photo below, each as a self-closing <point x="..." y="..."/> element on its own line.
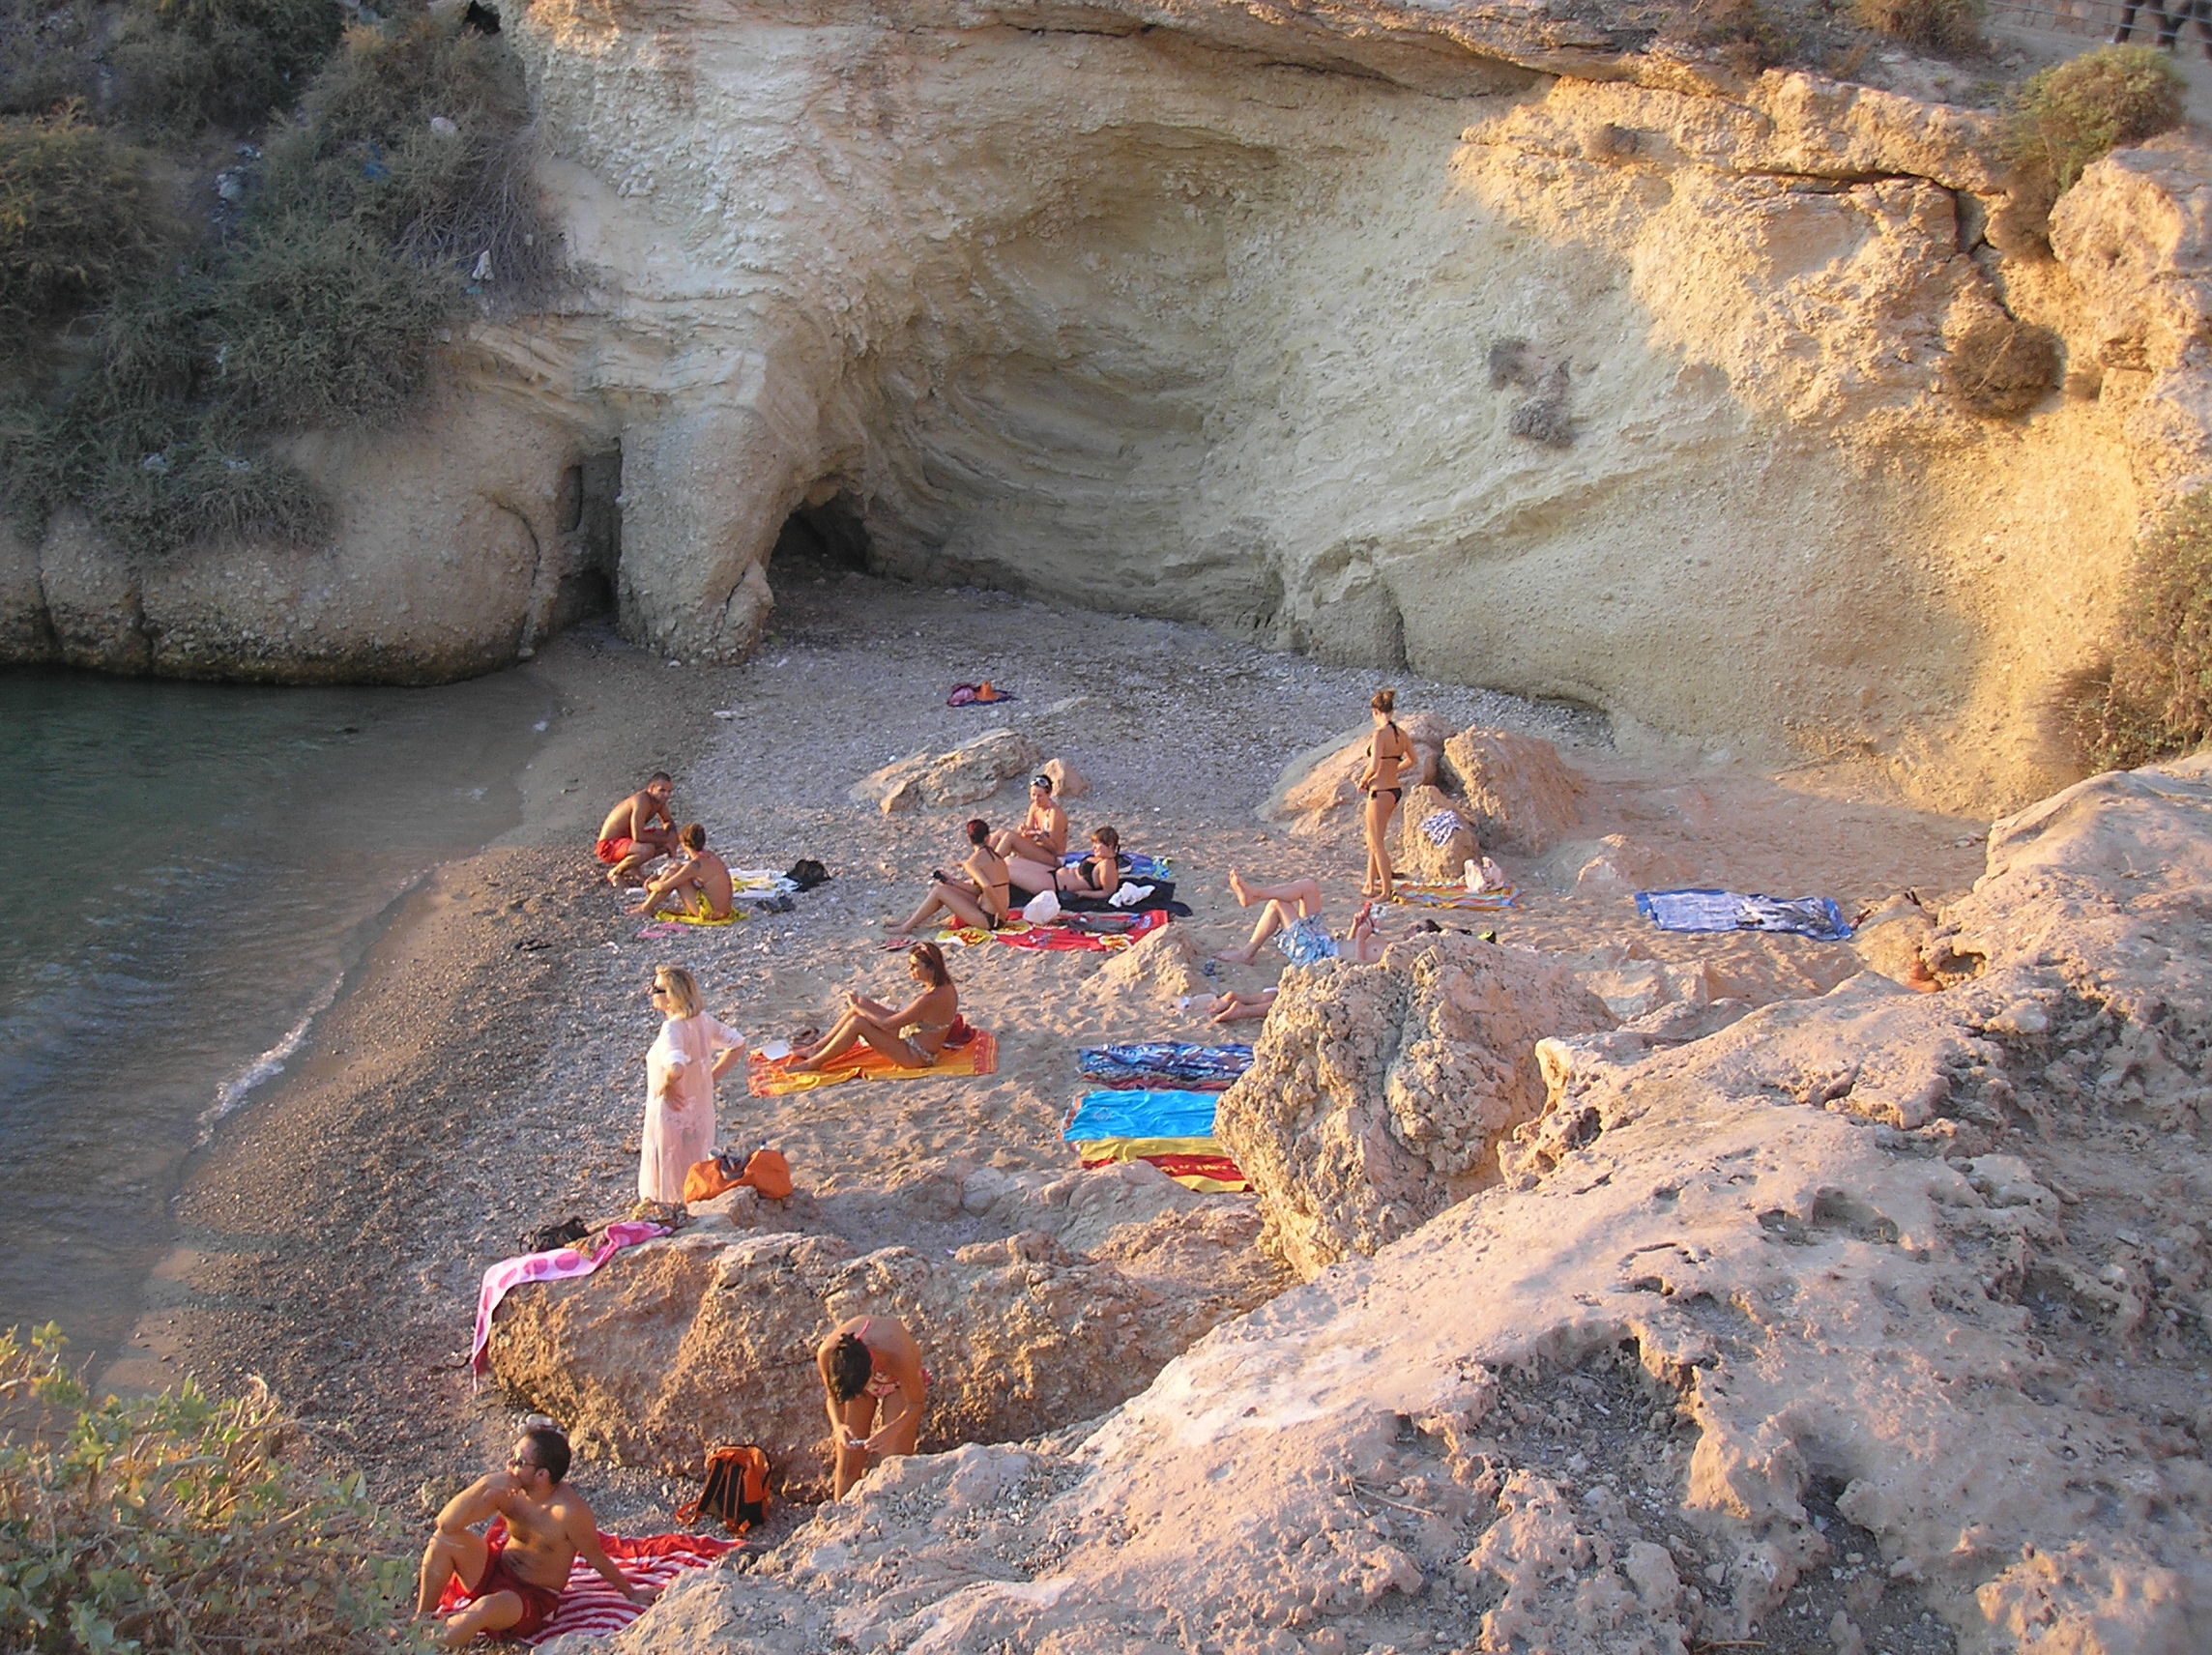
<point x="614" y="851"/>
<point x="537" y="1602"/>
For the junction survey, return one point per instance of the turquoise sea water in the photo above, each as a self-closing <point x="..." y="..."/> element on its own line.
<point x="191" y="869"/>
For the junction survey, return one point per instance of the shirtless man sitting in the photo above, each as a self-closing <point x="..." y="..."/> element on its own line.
<point x="629" y="838"/>
<point x="514" y="1581"/>
<point x="700" y="882"/>
<point x="1042" y="836"/>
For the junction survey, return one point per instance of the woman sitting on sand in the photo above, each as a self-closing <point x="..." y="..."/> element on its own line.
<point x="912" y="1036"/>
<point x="1098" y="875"/>
<point x="980" y="900"/>
<point x="693" y="1051"/>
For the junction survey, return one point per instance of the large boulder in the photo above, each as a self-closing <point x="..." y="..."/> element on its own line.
<point x="1518" y="793"/>
<point x="973" y="770"/>
<point x="1315" y="784"/>
<point x="1378" y="1094"/>
<point x="708" y="1336"/>
<point x="1430" y="841"/>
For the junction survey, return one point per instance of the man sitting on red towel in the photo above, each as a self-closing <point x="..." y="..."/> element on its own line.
<point x="513" y="1578"/>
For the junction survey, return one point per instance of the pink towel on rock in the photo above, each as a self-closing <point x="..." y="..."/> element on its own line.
<point x="557" y="1265"/>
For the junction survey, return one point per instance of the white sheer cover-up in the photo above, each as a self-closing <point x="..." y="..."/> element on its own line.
<point x="679" y="1125"/>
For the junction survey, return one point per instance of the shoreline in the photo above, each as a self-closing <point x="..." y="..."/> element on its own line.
<point x="477" y="1074"/>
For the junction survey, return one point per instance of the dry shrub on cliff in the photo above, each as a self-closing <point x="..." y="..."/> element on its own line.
<point x="1743" y="33"/>
<point x="179" y="1523"/>
<point x="190" y="64"/>
<point x="2075" y="112"/>
<point x="73" y="227"/>
<point x="2002" y="367"/>
<point x="2153" y="698"/>
<point x="1544" y="418"/>
<point x="1952" y="26"/>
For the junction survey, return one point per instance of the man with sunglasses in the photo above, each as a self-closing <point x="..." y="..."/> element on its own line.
<point x="513" y="1577"/>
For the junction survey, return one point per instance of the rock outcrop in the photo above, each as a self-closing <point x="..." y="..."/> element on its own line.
<point x="1430" y="841"/>
<point x="1877" y="1321"/>
<point x="1378" y="1094"/>
<point x="1515" y="791"/>
<point x="968" y="773"/>
<point x="708" y="1336"/>
<point x="1314" y="786"/>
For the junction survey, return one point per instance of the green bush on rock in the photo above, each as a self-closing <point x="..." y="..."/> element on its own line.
<point x="179" y="1521"/>
<point x="2153" y="699"/>
<point x="72" y="224"/>
<point x="190" y="64"/>
<point x="2076" y="113"/>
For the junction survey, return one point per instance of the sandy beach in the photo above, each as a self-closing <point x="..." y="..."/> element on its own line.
<point x="482" y="1073"/>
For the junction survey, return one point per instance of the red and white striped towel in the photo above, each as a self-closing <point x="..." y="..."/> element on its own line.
<point x="591" y="1606"/>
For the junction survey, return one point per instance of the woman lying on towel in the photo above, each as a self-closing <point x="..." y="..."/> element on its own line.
<point x="912" y="1036"/>
<point x="1100" y="874"/>
<point x="980" y="900"/>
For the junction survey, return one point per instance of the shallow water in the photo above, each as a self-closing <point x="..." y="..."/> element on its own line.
<point x="195" y="868"/>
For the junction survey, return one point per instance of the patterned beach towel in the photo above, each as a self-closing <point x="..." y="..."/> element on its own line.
<point x="1147" y="1063"/>
<point x="1195" y="1162"/>
<point x="559" y="1264"/>
<point x="1814" y="916"/>
<point x="589" y="1605"/>
<point x="770" y="1077"/>
<point x="1135" y="863"/>
<point x="1459" y="897"/>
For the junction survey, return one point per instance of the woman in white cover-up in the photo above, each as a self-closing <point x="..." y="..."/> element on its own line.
<point x="693" y="1052"/>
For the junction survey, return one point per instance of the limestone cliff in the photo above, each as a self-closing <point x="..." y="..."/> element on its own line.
<point x="1467" y="337"/>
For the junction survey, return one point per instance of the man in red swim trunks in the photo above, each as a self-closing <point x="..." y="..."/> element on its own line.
<point x="513" y="1578"/>
<point x="629" y="838"/>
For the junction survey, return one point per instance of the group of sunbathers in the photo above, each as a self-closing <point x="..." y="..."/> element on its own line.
<point x="874" y="1384"/>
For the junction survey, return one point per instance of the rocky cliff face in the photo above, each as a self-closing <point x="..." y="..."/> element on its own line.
<point x="1465" y="339"/>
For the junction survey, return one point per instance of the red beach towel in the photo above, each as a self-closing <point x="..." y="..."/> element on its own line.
<point x="594" y="1608"/>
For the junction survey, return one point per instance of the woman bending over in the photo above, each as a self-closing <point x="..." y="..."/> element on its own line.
<point x="911" y="1036"/>
<point x="980" y="900"/>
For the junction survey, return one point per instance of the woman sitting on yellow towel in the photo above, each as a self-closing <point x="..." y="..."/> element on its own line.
<point x="912" y="1036"/>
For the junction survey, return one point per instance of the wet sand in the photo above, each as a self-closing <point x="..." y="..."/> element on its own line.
<point x="481" y="1075"/>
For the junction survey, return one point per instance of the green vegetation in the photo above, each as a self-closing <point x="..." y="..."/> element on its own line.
<point x="192" y="64"/>
<point x="72" y="218"/>
<point x="397" y="191"/>
<point x="1953" y="27"/>
<point x="2072" y="113"/>
<point x="49" y="53"/>
<point x="179" y="1523"/>
<point x="2154" y="698"/>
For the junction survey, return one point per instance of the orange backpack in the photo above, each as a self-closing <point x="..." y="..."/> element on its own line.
<point x="736" y="1491"/>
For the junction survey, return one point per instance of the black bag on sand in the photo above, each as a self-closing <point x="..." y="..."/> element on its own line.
<point x="547" y="1237"/>
<point x="806" y="873"/>
<point x="735" y="1492"/>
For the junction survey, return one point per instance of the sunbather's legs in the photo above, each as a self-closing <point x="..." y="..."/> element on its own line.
<point x="948" y="899"/>
<point x="1272" y="918"/>
<point x="1305" y="892"/>
<point x="852" y="1029"/>
<point x="1237" y="1008"/>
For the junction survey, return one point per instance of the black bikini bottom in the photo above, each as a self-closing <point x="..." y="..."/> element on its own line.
<point x="1383" y="791"/>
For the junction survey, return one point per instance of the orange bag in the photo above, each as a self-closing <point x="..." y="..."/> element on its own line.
<point x="737" y="1489"/>
<point x="767" y="1172"/>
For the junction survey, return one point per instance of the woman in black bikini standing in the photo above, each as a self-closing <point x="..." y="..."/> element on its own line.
<point x="1383" y="782"/>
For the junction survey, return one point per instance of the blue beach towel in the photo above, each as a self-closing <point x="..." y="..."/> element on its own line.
<point x="1141" y="1114"/>
<point x="1165" y="1060"/>
<point x="1814" y="916"/>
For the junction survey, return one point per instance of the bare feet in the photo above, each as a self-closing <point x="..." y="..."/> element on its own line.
<point x="1243" y="895"/>
<point x="1236" y="956"/>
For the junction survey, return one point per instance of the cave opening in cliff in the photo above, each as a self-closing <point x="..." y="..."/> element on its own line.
<point x="821" y="541"/>
<point x="590" y="510"/>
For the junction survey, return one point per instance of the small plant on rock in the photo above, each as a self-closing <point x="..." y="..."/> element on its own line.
<point x="72" y="224"/>
<point x="2076" y="112"/>
<point x="178" y="1521"/>
<point x="1544" y="418"/>
<point x="2153" y="698"/>
<point x="2001" y="366"/>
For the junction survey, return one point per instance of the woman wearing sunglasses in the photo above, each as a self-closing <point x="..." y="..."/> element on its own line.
<point x="693" y="1051"/>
